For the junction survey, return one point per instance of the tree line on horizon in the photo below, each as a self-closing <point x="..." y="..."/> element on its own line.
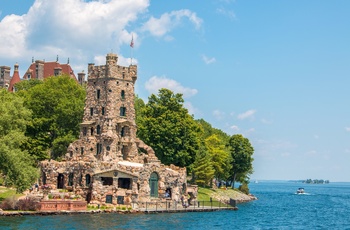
<point x="42" y="118"/>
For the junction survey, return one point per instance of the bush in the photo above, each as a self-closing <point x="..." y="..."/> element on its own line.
<point x="9" y="203"/>
<point x="244" y="188"/>
<point x="27" y="204"/>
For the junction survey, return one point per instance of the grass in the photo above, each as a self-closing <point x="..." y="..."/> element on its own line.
<point x="8" y="192"/>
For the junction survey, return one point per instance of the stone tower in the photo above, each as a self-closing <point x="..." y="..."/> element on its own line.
<point x="108" y="162"/>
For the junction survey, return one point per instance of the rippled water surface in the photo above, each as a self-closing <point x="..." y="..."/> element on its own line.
<point x="278" y="207"/>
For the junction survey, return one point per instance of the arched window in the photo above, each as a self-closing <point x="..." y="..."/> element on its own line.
<point x="153" y="184"/>
<point x="98" y="130"/>
<point x="122" y="94"/>
<point x="60" y="181"/>
<point x="92" y="131"/>
<point x="87" y="179"/>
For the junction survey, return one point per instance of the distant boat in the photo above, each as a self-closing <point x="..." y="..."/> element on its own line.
<point x="256" y="182"/>
<point x="300" y="191"/>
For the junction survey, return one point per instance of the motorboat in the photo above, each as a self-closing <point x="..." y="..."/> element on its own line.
<point x="300" y="191"/>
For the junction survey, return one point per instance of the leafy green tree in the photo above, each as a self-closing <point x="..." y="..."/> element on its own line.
<point x="220" y="157"/>
<point x="241" y="152"/>
<point x="167" y="127"/>
<point x="139" y="106"/>
<point x="15" y="164"/>
<point x="57" y="105"/>
<point x="27" y="84"/>
<point x="203" y="170"/>
<point x="208" y="130"/>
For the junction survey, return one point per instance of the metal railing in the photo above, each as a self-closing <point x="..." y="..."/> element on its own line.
<point x="178" y="206"/>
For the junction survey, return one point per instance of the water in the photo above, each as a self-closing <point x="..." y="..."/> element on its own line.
<point x="323" y="207"/>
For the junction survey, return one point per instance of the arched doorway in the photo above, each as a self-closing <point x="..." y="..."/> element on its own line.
<point x="60" y="181"/>
<point x="153" y="184"/>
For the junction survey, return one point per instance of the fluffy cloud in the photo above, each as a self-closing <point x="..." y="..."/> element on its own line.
<point x="208" y="60"/>
<point x="155" y="83"/>
<point x="168" y="21"/>
<point x="69" y="28"/>
<point x="247" y="114"/>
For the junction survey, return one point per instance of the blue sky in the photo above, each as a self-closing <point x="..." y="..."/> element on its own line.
<point x="277" y="72"/>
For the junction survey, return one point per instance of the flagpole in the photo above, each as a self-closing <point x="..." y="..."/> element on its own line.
<point x="131" y="47"/>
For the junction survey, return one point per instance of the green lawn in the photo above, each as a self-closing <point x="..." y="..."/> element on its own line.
<point x="7" y="192"/>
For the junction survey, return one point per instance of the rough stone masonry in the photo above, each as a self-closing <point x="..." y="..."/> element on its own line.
<point x="108" y="163"/>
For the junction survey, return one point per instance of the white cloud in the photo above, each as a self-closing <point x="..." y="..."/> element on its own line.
<point x="347" y="129"/>
<point x="191" y="109"/>
<point x="234" y="128"/>
<point x="247" y="114"/>
<point x="68" y="28"/>
<point x="168" y="21"/>
<point x="208" y="60"/>
<point x="218" y="114"/>
<point x="155" y="83"/>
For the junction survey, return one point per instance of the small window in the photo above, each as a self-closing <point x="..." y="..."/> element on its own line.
<point x="44" y="177"/>
<point x="81" y="150"/>
<point x="122" y="94"/>
<point x="29" y="76"/>
<point x="124" y="183"/>
<point x="123" y="75"/>
<point x="98" y="94"/>
<point x="122" y="132"/>
<point x="98" y="130"/>
<point x="107" y="180"/>
<point x="92" y="131"/>
<point x="122" y="111"/>
<point x="98" y="148"/>
<point x="91" y="111"/>
<point x="87" y="180"/>
<point x="84" y="131"/>
<point x="109" y="199"/>
<point x="108" y="148"/>
<point x="103" y="110"/>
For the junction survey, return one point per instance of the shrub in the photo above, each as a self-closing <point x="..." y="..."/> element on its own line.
<point x="27" y="204"/>
<point x="244" y="188"/>
<point x="9" y="203"/>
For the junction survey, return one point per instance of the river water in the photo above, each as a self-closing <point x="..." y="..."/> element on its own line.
<point x="325" y="206"/>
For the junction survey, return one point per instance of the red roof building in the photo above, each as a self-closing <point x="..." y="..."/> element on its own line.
<point x="41" y="70"/>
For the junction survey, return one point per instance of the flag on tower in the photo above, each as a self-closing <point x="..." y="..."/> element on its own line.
<point x="132" y="41"/>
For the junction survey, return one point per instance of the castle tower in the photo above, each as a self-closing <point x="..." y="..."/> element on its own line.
<point x="108" y="161"/>
<point x="5" y="77"/>
<point x="15" y="79"/>
<point x="109" y="113"/>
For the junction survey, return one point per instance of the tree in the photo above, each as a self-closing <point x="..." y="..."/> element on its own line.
<point x="15" y="164"/>
<point x="203" y="171"/>
<point x="220" y="157"/>
<point x="241" y="152"/>
<point x="57" y="105"/>
<point x="167" y="127"/>
<point x="28" y="84"/>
